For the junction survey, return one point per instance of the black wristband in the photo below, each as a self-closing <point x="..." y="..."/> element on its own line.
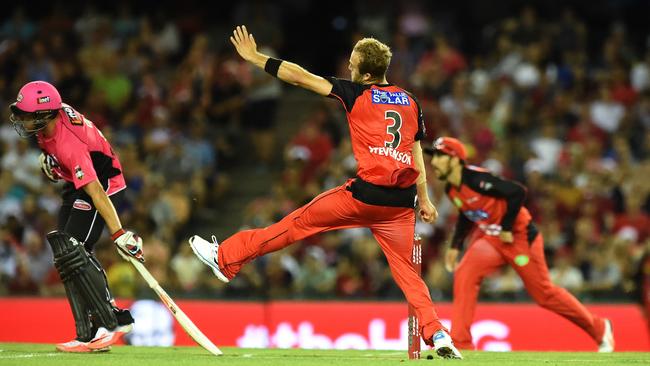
<point x="272" y="66"/>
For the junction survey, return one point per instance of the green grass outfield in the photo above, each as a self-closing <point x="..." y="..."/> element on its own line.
<point x="43" y="354"/>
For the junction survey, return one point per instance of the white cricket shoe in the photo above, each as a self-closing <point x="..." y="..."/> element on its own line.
<point x="607" y="343"/>
<point x="104" y="338"/>
<point x="444" y="346"/>
<point x="75" y="346"/>
<point x="208" y="253"/>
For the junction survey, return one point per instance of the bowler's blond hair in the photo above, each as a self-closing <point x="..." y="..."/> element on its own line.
<point x="374" y="57"/>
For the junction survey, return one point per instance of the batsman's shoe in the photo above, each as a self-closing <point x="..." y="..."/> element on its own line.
<point x="75" y="346"/>
<point x="607" y="343"/>
<point x="208" y="254"/>
<point x="105" y="338"/>
<point x="444" y="346"/>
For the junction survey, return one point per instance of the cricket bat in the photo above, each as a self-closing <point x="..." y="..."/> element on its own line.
<point x="180" y="316"/>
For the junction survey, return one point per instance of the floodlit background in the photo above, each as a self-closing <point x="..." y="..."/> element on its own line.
<point x="555" y="94"/>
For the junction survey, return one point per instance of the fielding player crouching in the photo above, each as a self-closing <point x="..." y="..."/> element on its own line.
<point x="500" y="231"/>
<point x="76" y="151"/>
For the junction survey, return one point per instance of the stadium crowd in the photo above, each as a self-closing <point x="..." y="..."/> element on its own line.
<point x="535" y="102"/>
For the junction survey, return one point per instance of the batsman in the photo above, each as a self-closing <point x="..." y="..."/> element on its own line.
<point x="75" y="151"/>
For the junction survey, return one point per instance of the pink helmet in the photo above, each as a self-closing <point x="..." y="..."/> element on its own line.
<point x="36" y="104"/>
<point x="38" y="96"/>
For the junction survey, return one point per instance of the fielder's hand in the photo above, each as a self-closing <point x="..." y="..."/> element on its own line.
<point x="128" y="244"/>
<point x="47" y="167"/>
<point x="451" y="259"/>
<point x="244" y="43"/>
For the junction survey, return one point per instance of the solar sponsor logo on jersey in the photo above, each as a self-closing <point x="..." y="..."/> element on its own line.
<point x="386" y="97"/>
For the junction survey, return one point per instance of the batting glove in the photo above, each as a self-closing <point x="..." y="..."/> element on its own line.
<point x="47" y="167"/>
<point x="128" y="245"/>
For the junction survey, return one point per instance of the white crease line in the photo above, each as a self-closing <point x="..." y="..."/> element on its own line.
<point x="29" y="355"/>
<point x="390" y="354"/>
<point x="321" y="357"/>
<point x="592" y="360"/>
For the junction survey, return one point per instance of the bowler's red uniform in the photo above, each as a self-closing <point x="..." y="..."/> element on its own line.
<point x="384" y="123"/>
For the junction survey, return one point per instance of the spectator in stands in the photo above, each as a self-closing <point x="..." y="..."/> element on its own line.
<point x="165" y="91"/>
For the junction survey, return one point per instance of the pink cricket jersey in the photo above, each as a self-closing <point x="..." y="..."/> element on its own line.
<point x="82" y="153"/>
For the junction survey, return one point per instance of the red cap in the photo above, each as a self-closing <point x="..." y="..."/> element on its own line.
<point x="449" y="146"/>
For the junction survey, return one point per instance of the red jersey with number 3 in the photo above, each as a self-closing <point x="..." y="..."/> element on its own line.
<point x="385" y="121"/>
<point x="81" y="152"/>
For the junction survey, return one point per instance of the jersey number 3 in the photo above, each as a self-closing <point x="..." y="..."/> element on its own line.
<point x="393" y="129"/>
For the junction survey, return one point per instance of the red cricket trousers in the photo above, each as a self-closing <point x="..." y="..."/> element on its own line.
<point x="393" y="227"/>
<point x="485" y="255"/>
